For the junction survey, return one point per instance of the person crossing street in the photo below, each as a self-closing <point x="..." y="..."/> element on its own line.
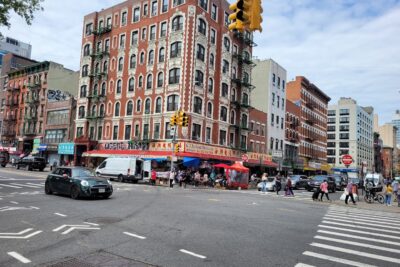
<point x="324" y="190"/>
<point x="349" y="193"/>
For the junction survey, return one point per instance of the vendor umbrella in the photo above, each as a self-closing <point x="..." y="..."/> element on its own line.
<point x="239" y="167"/>
<point x="221" y="165"/>
<point x="191" y="162"/>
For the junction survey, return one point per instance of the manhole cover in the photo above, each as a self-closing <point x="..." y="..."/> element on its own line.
<point x="104" y="220"/>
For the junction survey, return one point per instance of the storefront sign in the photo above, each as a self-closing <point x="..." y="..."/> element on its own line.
<point x="130" y="145"/>
<point x="42" y="147"/>
<point x="36" y="144"/>
<point x="66" y="149"/>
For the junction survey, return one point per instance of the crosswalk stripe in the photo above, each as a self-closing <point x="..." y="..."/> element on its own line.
<point x="12" y="186"/>
<point x="376" y="218"/>
<point x="360" y="237"/>
<point x="303" y="265"/>
<point x="364" y="212"/>
<point x="335" y="259"/>
<point x="359" y="244"/>
<point x="370" y="214"/>
<point x="363" y="223"/>
<point x="361" y="227"/>
<point x="356" y="252"/>
<point x="357" y="231"/>
<point x="40" y="184"/>
<point x="26" y="185"/>
<point x="356" y="218"/>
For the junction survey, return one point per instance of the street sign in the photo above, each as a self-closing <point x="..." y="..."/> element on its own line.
<point x="347" y="160"/>
<point x="277" y="154"/>
<point x="245" y="157"/>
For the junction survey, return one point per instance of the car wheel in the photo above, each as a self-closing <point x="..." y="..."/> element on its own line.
<point x="17" y="167"/>
<point x="74" y="192"/>
<point x="47" y="189"/>
<point x="41" y="169"/>
<point x="106" y="196"/>
<point x="120" y="178"/>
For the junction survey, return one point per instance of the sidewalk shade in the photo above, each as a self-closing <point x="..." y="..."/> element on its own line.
<point x="191" y="162"/>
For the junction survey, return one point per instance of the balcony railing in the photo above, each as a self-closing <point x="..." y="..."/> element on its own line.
<point x="33" y="85"/>
<point x="10" y="118"/>
<point x="55" y="140"/>
<point x="99" y="54"/>
<point x="98" y="75"/>
<point x="29" y="132"/>
<point x="11" y="103"/>
<point x="30" y="117"/>
<point x="244" y="39"/>
<point x="8" y="133"/>
<point x="102" y="30"/>
<point x="32" y="100"/>
<point x="243" y="59"/>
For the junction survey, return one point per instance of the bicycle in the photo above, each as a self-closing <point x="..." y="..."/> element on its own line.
<point x="371" y="196"/>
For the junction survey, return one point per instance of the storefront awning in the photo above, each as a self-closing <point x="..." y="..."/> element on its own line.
<point x="191" y="162"/>
<point x="270" y="164"/>
<point x="127" y="153"/>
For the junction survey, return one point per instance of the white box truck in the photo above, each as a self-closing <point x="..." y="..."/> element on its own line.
<point x="125" y="169"/>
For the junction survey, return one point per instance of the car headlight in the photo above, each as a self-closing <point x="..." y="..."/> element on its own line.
<point x="84" y="183"/>
<point x="109" y="182"/>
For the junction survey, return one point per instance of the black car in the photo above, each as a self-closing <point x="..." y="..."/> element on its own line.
<point x="32" y="163"/>
<point x="340" y="181"/>
<point x="77" y="182"/>
<point x="317" y="180"/>
<point x="299" y="181"/>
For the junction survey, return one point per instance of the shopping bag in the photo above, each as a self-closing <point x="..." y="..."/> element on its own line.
<point x="343" y="196"/>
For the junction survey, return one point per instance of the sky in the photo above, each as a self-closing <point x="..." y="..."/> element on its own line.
<point x="348" y="48"/>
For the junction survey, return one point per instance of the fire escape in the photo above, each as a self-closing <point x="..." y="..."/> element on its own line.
<point x="240" y="102"/>
<point x="10" y="117"/>
<point x="32" y="102"/>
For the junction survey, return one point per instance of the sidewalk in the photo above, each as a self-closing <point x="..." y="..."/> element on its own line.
<point x="367" y="206"/>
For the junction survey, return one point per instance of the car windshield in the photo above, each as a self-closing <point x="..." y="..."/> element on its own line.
<point x="81" y="173"/>
<point x="319" y="178"/>
<point x="295" y="178"/>
<point x="271" y="179"/>
<point x="338" y="178"/>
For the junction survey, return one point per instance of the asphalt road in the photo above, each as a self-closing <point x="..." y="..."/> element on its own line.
<point x="141" y="225"/>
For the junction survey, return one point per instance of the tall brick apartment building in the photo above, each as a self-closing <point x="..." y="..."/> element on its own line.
<point x="313" y="123"/>
<point x="292" y="136"/>
<point x="142" y="61"/>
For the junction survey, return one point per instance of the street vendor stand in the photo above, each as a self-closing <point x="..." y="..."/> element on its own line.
<point x="237" y="175"/>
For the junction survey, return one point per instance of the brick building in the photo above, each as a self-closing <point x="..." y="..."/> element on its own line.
<point x="28" y="91"/>
<point x="141" y="62"/>
<point x="313" y="123"/>
<point x="387" y="162"/>
<point x="292" y="136"/>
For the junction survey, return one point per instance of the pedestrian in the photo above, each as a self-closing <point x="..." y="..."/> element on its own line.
<point x="388" y="194"/>
<point x="171" y="178"/>
<point x="13" y="162"/>
<point x="264" y="179"/>
<point x="289" y="190"/>
<point x="324" y="190"/>
<point x="349" y="193"/>
<point x="197" y="178"/>
<point x="395" y="185"/>
<point x="153" y="177"/>
<point x="278" y="184"/>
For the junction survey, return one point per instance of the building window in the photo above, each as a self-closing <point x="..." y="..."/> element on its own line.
<point x="124" y="18"/>
<point x="168" y="134"/>
<point x="85" y="70"/>
<point x="161" y="55"/>
<point x="146" y="131"/>
<point x="145" y="10"/>
<point x="119" y="87"/>
<point x="117" y="109"/>
<point x="131" y="85"/>
<point x="128" y="129"/>
<point x="154" y="7"/>
<point x="344" y="111"/>
<point x="200" y="52"/>
<point x="209" y="109"/>
<point x="199" y="78"/>
<point x="115" y="132"/>
<point x="149" y="83"/>
<point x="99" y="132"/>
<point x="89" y="29"/>
<point x="141" y="59"/>
<point x="272" y="119"/>
<point x="226" y="19"/>
<point x="197" y="105"/>
<point x="83" y="91"/>
<point x="79" y="132"/>
<point x="152" y="32"/>
<point x="136" y="14"/>
<point x="214" y="12"/>
<point x="132" y="63"/>
<point x="101" y="112"/>
<point x="86" y="50"/>
<point x="138" y="105"/>
<point x="172" y="103"/>
<point x="224" y="114"/>
<point x="202" y="28"/>
<point x="81" y="112"/>
<point x="140" y="82"/>
<point x="120" y="64"/>
<point x="122" y="41"/>
<point x="163" y="29"/>
<point x="158" y="105"/>
<point x="151" y="57"/>
<point x="160" y="79"/>
<point x="196" y="132"/>
<point x="135" y="38"/>
<point x="176" y="49"/>
<point x="227" y="44"/>
<point x="213" y="36"/>
<point x="233" y="119"/>
<point x="174" y="76"/>
<point x="177" y="23"/>
<point x="212" y="60"/>
<point x="156" y="132"/>
<point x="137" y="130"/>
<point x="222" y="137"/>
<point x="164" y="7"/>
<point x="244" y="122"/>
<point x="278" y="99"/>
<point x="224" y="91"/>
<point x="225" y="66"/>
<point x="208" y="135"/>
<point x="210" y="85"/>
<point x="147" y="106"/>
<point x="144" y="33"/>
<point x="129" y="108"/>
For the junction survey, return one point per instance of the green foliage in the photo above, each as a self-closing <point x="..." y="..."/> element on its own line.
<point x="23" y="8"/>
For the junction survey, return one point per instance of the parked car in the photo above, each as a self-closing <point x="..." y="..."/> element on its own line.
<point x="271" y="184"/>
<point x="299" y="181"/>
<point x="125" y="169"/>
<point x="317" y="180"/>
<point x="32" y="163"/>
<point x="77" y="182"/>
<point x="4" y="158"/>
<point x="340" y="181"/>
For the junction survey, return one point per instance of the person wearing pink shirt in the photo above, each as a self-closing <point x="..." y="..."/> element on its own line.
<point x="324" y="190"/>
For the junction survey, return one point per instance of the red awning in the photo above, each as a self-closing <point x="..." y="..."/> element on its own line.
<point x="132" y="153"/>
<point x="221" y="165"/>
<point x="239" y="167"/>
<point x="270" y="164"/>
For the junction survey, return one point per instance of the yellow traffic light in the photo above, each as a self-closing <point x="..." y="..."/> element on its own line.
<point x="241" y="16"/>
<point x="255" y="17"/>
<point x="185" y="120"/>
<point x="177" y="148"/>
<point x="172" y="121"/>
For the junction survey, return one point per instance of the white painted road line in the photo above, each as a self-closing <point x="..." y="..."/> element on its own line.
<point x="360" y="237"/>
<point x="20" y="237"/>
<point x="95" y="224"/>
<point x="79" y="228"/>
<point x="365" y="212"/>
<point x="14" y="202"/>
<point x="361" y="227"/>
<point x="303" y="265"/>
<point x="334" y="259"/>
<point x="12" y="186"/>
<point x="357" y="231"/>
<point x="363" y="215"/>
<point x="60" y="214"/>
<point x="18" y="257"/>
<point x="20" y="233"/>
<point x="356" y="218"/>
<point x="26" y="185"/>
<point x="356" y="244"/>
<point x="356" y="252"/>
<point x="38" y="185"/>
<point x="192" y="254"/>
<point x="134" y="235"/>
<point x="352" y="221"/>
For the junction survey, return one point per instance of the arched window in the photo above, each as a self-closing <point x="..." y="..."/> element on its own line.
<point x="101" y="111"/>
<point x="224" y="91"/>
<point x="224" y="114"/>
<point x="93" y="111"/>
<point x="83" y="91"/>
<point x="132" y="63"/>
<point x="142" y="58"/>
<point x="197" y="105"/>
<point x="199" y="78"/>
<point x="117" y="109"/>
<point x="95" y="89"/>
<point x="119" y="86"/>
<point x="120" y="64"/>
<point x="245" y="99"/>
<point x="131" y="84"/>
<point x="233" y="119"/>
<point x="85" y="70"/>
<point x="209" y="109"/>
<point x="81" y="112"/>
<point x="244" y="121"/>
<point x="138" y="105"/>
<point x="246" y="77"/>
<point x="173" y="103"/>
<point x="86" y="50"/>
<point x="103" y="89"/>
<point x="149" y="83"/>
<point x="225" y="66"/>
<point x="129" y="108"/>
<point x="227" y="44"/>
<point x="161" y="54"/>
<point x="158" y="105"/>
<point x="200" y="52"/>
<point x="97" y="68"/>
<point x="212" y="60"/>
<point x="147" y="106"/>
<point x="105" y="66"/>
<point x="202" y="27"/>
<point x="233" y="72"/>
<point x="177" y="23"/>
<point x="176" y="49"/>
<point x="233" y="95"/>
<point x="174" y="76"/>
<point x="160" y="79"/>
<point x="140" y="83"/>
<point x="210" y="85"/>
<point x="151" y="57"/>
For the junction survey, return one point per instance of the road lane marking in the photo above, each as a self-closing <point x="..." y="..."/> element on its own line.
<point x="366" y="212"/>
<point x="39" y="185"/>
<point x="192" y="254"/>
<point x="20" y="233"/>
<point x="361" y="227"/>
<point x="335" y="259"/>
<point x="95" y="224"/>
<point x="355" y="218"/>
<point x="60" y="214"/>
<point x="356" y="252"/>
<point x="360" y="237"/>
<point x="353" y="221"/>
<point x="79" y="228"/>
<point x="303" y="265"/>
<point x="26" y="185"/>
<point x="14" y="202"/>
<point x="357" y="231"/>
<point x="18" y="257"/>
<point x="12" y="186"/>
<point x="19" y="237"/>
<point x="356" y="244"/>
<point x="363" y="215"/>
<point x="135" y="235"/>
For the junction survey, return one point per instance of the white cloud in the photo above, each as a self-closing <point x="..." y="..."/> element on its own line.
<point x="346" y="47"/>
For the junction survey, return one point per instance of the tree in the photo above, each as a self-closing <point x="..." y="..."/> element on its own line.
<point x="23" y="8"/>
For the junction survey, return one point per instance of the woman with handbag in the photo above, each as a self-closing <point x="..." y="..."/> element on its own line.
<point x="324" y="190"/>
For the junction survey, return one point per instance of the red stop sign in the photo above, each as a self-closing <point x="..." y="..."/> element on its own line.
<point x="347" y="160"/>
<point x="245" y="157"/>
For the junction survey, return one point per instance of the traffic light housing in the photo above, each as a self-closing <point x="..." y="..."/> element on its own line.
<point x="173" y="120"/>
<point x="241" y="16"/>
<point x="177" y="148"/>
<point x="185" y="120"/>
<point x="255" y="16"/>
